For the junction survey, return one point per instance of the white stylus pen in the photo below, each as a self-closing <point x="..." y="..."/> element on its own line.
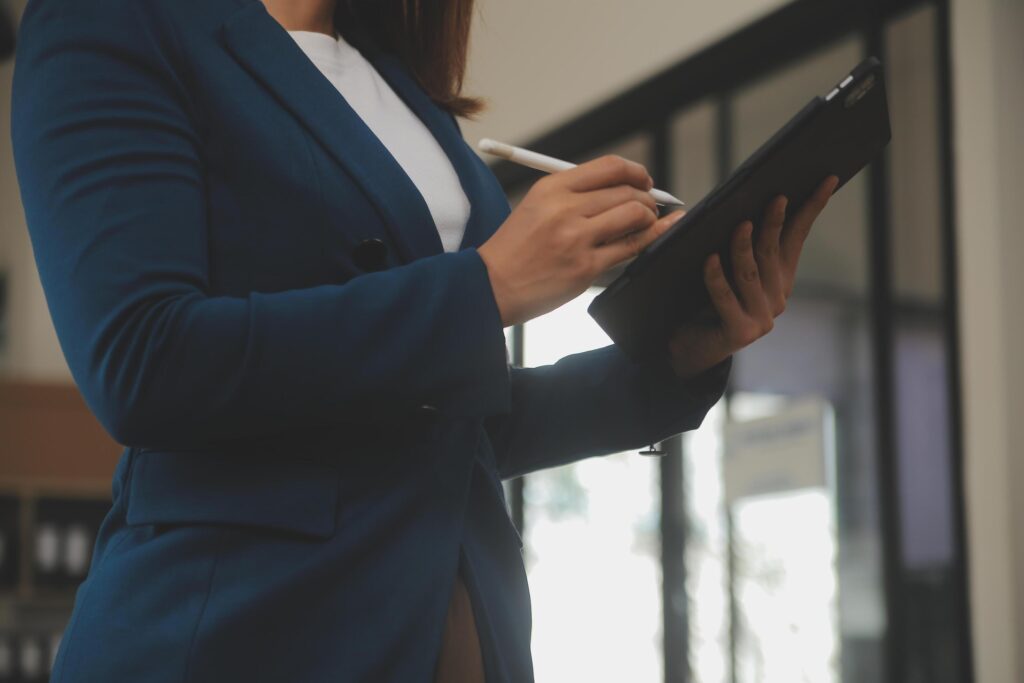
<point x="542" y="162"/>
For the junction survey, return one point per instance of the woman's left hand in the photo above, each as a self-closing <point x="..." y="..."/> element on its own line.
<point x="764" y="281"/>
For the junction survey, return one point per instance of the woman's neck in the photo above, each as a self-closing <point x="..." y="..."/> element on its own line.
<point x="303" y="15"/>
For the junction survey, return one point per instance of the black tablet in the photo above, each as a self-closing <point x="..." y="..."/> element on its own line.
<point x="835" y="134"/>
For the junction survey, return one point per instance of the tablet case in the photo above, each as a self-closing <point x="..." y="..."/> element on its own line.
<point x="837" y="134"/>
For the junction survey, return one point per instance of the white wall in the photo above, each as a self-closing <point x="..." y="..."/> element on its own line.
<point x="32" y="351"/>
<point x="541" y="62"/>
<point x="988" y="73"/>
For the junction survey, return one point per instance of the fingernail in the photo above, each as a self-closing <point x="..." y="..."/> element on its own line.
<point x="650" y="183"/>
<point x="676" y="215"/>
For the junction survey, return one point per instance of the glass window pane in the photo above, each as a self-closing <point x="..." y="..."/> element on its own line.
<point x="785" y="586"/>
<point x="914" y="164"/>
<point x="635" y="147"/>
<point x="694" y="155"/>
<point x="591" y="542"/>
<point x="829" y="340"/>
<point x="781" y="500"/>
<point x="594" y="571"/>
<point x="707" y="550"/>
<point x="569" y="329"/>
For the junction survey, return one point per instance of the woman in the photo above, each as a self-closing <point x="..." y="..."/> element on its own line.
<point x="280" y="278"/>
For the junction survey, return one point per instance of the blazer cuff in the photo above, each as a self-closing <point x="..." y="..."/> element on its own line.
<point x="708" y="384"/>
<point x="670" y="397"/>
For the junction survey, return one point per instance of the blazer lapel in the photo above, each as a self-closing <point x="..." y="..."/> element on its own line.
<point x="265" y="49"/>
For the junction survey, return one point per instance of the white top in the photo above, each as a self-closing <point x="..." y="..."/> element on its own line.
<point x="410" y="142"/>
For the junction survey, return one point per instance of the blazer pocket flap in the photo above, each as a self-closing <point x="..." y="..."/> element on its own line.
<point x="210" y="487"/>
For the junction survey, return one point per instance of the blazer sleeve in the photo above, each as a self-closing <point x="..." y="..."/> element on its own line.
<point x="107" y="156"/>
<point x="596" y="403"/>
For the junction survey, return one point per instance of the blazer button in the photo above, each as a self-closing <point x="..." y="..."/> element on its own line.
<point x="428" y="410"/>
<point x="651" y="450"/>
<point x="371" y="255"/>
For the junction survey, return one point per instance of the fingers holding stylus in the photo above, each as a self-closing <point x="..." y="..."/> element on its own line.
<point x="596" y="202"/>
<point x="619" y="222"/>
<point x="606" y="171"/>
<point x="628" y="244"/>
<point x="569" y="228"/>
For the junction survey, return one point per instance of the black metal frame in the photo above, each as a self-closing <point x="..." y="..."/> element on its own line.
<point x="952" y="327"/>
<point x="515" y="503"/>
<point x="744" y="57"/>
<point x="880" y="296"/>
<point x="7" y="32"/>
<point x="675" y="624"/>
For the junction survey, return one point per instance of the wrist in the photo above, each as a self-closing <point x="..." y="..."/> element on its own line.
<point x="697" y="378"/>
<point x="499" y="287"/>
<point x="686" y="369"/>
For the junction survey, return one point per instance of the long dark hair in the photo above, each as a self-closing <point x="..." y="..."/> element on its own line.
<point x="431" y="37"/>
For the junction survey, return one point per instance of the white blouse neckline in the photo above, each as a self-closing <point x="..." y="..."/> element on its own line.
<point x="334" y="50"/>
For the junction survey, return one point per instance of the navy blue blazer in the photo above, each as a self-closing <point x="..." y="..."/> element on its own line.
<point x="315" y="399"/>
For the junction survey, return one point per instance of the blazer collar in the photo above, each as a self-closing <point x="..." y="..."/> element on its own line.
<point x="265" y="49"/>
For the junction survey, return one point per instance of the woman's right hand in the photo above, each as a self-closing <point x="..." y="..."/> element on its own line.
<point x="568" y="229"/>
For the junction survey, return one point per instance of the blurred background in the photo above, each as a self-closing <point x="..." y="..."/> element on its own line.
<point x="847" y="512"/>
